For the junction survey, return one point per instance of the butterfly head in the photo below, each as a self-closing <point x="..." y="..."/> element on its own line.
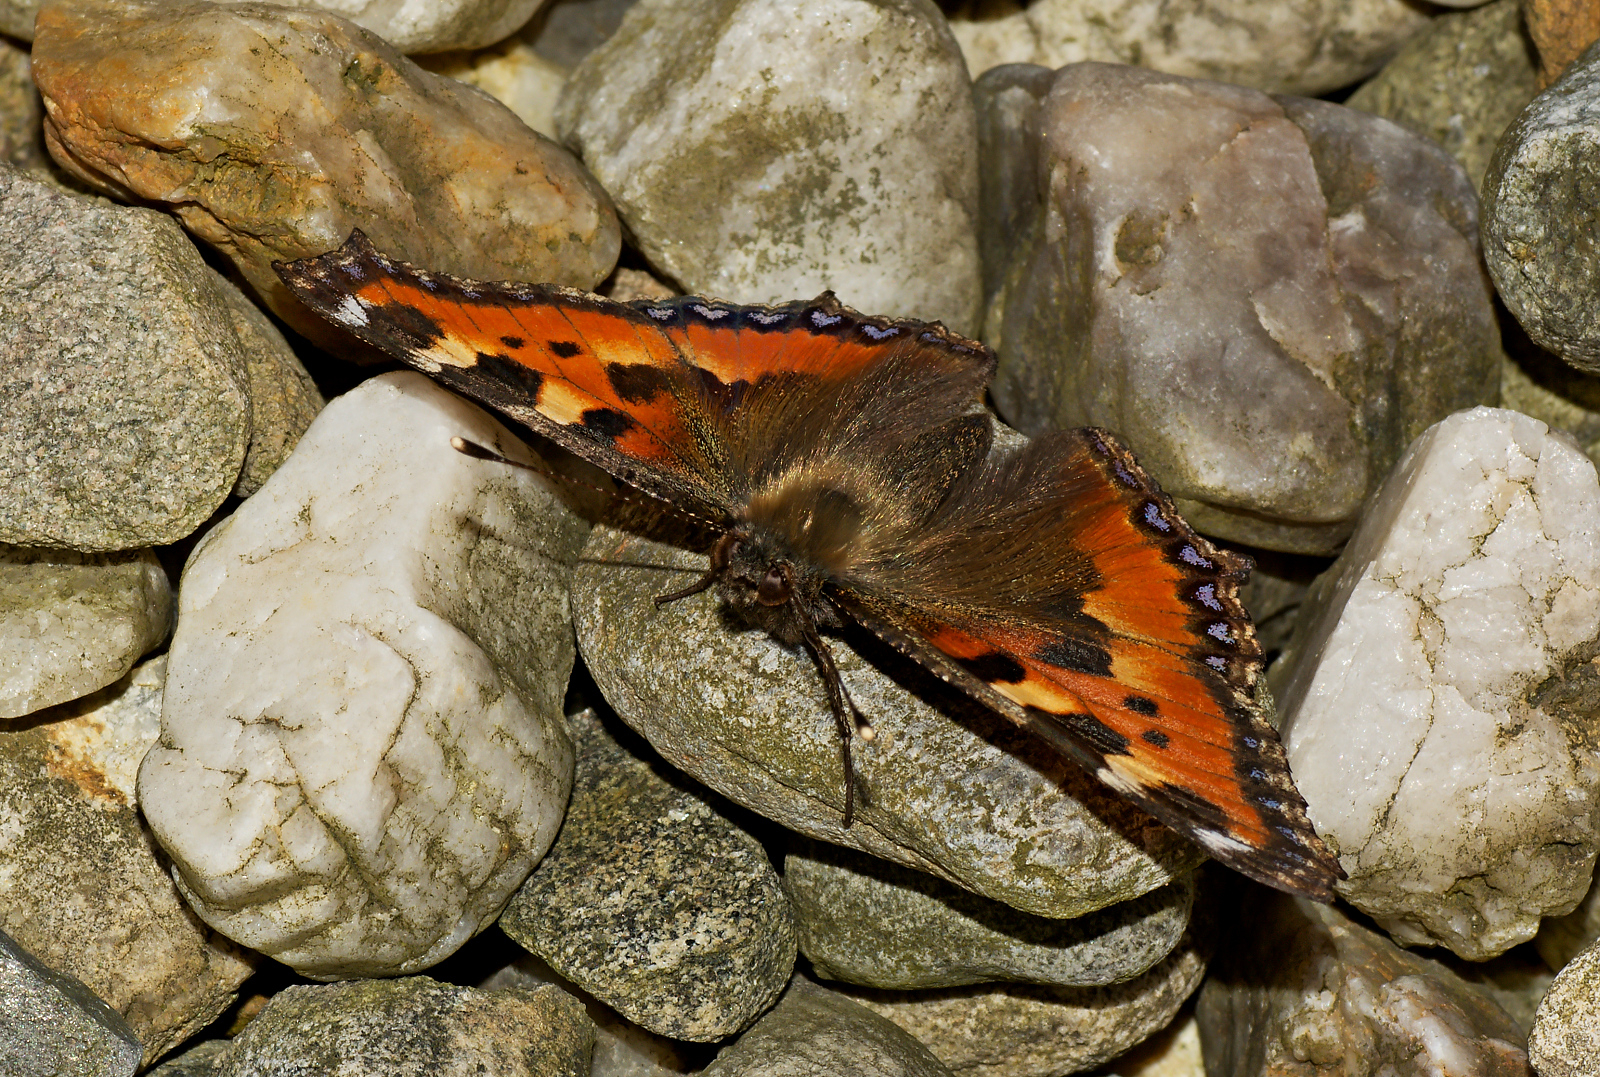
<point x="766" y="584"/>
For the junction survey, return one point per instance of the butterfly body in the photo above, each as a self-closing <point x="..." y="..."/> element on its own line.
<point x="851" y="476"/>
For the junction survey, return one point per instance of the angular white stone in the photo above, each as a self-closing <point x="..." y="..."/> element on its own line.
<point x="1462" y="806"/>
<point x="363" y="750"/>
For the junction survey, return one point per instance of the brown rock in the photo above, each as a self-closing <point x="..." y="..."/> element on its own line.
<point x="1561" y="31"/>
<point x="272" y="132"/>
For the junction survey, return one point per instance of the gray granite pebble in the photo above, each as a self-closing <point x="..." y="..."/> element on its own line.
<point x="1539" y="217"/>
<point x="413" y="1027"/>
<point x="867" y="921"/>
<point x="653" y="900"/>
<point x="54" y="1026"/>
<point x="1565" y="1041"/>
<point x="814" y="1031"/>
<point x="127" y="410"/>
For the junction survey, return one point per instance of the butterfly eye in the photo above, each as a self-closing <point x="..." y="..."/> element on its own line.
<point x="774" y="589"/>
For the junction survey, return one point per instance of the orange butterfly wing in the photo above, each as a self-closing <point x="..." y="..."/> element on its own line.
<point x="1123" y="644"/>
<point x="641" y="389"/>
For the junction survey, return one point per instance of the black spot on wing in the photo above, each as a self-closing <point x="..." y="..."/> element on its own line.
<point x="412" y="322"/>
<point x="1076" y="655"/>
<point x="1141" y="705"/>
<point x="566" y="349"/>
<point x="607" y="423"/>
<point x="1101" y="737"/>
<point x="637" y="383"/>
<point x="511" y="376"/>
<point x="1156" y="737"/>
<point x="995" y="667"/>
<point x="513" y="342"/>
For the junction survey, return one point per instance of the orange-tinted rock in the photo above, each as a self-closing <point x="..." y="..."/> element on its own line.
<point x="1561" y="30"/>
<point x="271" y="132"/>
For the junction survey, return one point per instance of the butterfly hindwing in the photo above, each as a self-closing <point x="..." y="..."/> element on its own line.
<point x="1117" y="635"/>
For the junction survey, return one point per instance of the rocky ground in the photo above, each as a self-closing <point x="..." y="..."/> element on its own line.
<point x="325" y="749"/>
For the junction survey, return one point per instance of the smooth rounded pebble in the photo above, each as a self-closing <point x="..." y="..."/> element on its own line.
<point x="413" y="1027"/>
<point x="816" y="1031"/>
<point x="1439" y="691"/>
<point x="362" y="747"/>
<point x="1539" y="234"/>
<point x="762" y="150"/>
<point x="869" y="922"/>
<point x="653" y="901"/>
<point x="948" y="786"/>
<point x="72" y="623"/>
<point x="1269" y="357"/>
<point x="276" y="131"/>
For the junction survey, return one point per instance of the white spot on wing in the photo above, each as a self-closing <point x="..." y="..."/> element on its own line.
<point x="351" y="311"/>
<point x="1122" y="784"/>
<point x="1218" y="843"/>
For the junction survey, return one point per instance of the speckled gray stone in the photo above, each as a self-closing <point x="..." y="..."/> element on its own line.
<point x="126" y="387"/>
<point x="1565" y="1041"/>
<point x="1541" y="227"/>
<point x="201" y="1060"/>
<point x="1459" y="82"/>
<point x="1035" y="1031"/>
<point x="71" y="623"/>
<point x="85" y="889"/>
<point x="1297" y="985"/>
<point x="1269" y="356"/>
<point x="56" y="1027"/>
<point x="866" y="921"/>
<point x="414" y="1027"/>
<point x="283" y="398"/>
<point x="653" y="901"/>
<point x="761" y="151"/>
<point x="949" y="786"/>
<point x="815" y="1031"/>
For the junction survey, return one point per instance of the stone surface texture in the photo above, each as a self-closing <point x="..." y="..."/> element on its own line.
<point x="1460" y="82"/>
<point x="1562" y="30"/>
<point x="514" y="74"/>
<point x="653" y="901"/>
<point x="276" y="131"/>
<point x="816" y="1031"/>
<point x="283" y="398"/>
<point x="84" y="889"/>
<point x="1565" y="1041"/>
<point x="1562" y="938"/>
<point x="1281" y="46"/>
<point x="1539" y="384"/>
<point x="414" y="1027"/>
<point x="1035" y="1031"/>
<point x="1299" y="990"/>
<point x="1539" y="233"/>
<point x="1440" y="710"/>
<point x="362" y="749"/>
<point x="54" y="1025"/>
<point x="1270" y="355"/>
<point x="763" y="150"/>
<point x="21" y="111"/>
<point x="71" y="623"/>
<point x="869" y="922"/>
<point x="949" y="787"/>
<point x="200" y="1060"/>
<point x="126" y="386"/>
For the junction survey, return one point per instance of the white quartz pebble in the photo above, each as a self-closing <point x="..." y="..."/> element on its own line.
<point x="1433" y="718"/>
<point x="362" y="749"/>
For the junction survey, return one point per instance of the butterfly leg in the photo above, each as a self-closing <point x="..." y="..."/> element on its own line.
<point x="845" y="712"/>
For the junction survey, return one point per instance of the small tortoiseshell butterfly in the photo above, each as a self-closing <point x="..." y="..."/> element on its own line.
<point x="846" y="464"/>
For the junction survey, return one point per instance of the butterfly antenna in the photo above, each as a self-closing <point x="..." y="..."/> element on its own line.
<point x="845" y="712"/>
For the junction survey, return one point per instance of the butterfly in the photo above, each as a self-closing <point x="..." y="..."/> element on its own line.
<point x="848" y="468"/>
